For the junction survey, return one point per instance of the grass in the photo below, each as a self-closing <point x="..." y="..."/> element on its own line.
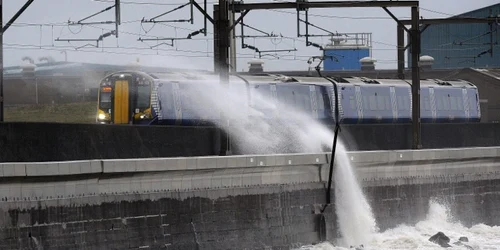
<point x="84" y="112"/>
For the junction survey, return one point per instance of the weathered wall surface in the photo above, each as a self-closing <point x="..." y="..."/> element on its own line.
<point x="36" y="142"/>
<point x="251" y="202"/>
<point x="397" y="137"/>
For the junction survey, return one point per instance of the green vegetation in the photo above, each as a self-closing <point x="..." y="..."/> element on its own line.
<point x="84" y="112"/>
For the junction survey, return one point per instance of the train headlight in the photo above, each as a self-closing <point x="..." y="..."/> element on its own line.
<point x="101" y="116"/>
<point x="143" y="116"/>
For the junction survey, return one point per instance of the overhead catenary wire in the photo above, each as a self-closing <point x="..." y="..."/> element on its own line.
<point x="282" y="57"/>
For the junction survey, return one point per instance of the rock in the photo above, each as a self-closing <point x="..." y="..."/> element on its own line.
<point x="463" y="239"/>
<point x="468" y="247"/>
<point x="441" y="239"/>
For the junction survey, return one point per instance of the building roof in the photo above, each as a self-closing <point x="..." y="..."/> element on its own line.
<point x="77" y="69"/>
<point x="476" y="11"/>
<point x="493" y="73"/>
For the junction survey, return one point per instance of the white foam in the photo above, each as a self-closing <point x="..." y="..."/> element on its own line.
<point x="417" y="236"/>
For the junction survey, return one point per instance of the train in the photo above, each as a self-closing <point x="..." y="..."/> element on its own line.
<point x="172" y="98"/>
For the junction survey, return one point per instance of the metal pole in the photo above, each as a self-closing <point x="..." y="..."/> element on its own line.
<point x="18" y="13"/>
<point x="36" y="90"/>
<point x="222" y="34"/>
<point x="1" y="62"/>
<point x="223" y="41"/>
<point x="401" y="51"/>
<point x="232" y="44"/>
<point x="216" y="38"/>
<point x="415" y="73"/>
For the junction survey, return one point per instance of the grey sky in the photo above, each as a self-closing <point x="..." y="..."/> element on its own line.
<point x="35" y="40"/>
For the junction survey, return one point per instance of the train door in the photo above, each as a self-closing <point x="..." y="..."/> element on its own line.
<point x="121" y="107"/>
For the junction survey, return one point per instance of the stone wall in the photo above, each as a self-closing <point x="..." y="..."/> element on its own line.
<point x="237" y="202"/>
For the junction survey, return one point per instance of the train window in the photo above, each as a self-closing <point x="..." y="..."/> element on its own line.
<point x="325" y="102"/>
<point x="105" y="100"/>
<point x="167" y="97"/>
<point x="282" y="98"/>
<point x="373" y="103"/>
<point x="380" y="102"/>
<point x="400" y="103"/>
<point x="302" y="102"/>
<point x="426" y="103"/>
<point x="446" y="102"/>
<point x="352" y="102"/>
<point x="406" y="102"/>
<point x="453" y="103"/>
<point x="143" y="96"/>
<point x="260" y="96"/>
<point x="306" y="100"/>
<point x="387" y="103"/>
<point x="319" y="99"/>
<point x="439" y="103"/>
<point x="460" y="104"/>
<point x="295" y="98"/>
<point x="365" y="103"/>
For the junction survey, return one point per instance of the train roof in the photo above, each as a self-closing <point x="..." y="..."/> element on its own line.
<point x="276" y="78"/>
<point x="265" y="78"/>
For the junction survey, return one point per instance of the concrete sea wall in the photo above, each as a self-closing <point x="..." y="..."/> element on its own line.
<point x="234" y="202"/>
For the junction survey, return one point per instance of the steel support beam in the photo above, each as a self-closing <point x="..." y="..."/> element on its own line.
<point x="13" y="19"/>
<point x="216" y="38"/>
<point x="395" y="19"/>
<point x="232" y="37"/>
<point x="222" y="36"/>
<point x="401" y="51"/>
<point x="322" y="4"/>
<point x="202" y="10"/>
<point x="1" y="62"/>
<point x="452" y="20"/>
<point x="415" y="79"/>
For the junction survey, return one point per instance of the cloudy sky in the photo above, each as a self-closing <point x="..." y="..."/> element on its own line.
<point x="35" y="32"/>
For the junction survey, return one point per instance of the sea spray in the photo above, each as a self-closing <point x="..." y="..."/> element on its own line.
<point x="357" y="224"/>
<point x="417" y="237"/>
<point x="355" y="219"/>
<point x="290" y="130"/>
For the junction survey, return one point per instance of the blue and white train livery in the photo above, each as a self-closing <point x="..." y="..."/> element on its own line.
<point x="174" y="98"/>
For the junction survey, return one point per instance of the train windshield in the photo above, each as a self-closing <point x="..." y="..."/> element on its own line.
<point x="105" y="98"/>
<point x="143" y="96"/>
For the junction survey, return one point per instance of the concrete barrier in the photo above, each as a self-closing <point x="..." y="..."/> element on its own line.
<point x="231" y="202"/>
<point x="121" y="176"/>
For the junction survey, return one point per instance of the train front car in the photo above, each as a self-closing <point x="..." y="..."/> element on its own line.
<point x="125" y="98"/>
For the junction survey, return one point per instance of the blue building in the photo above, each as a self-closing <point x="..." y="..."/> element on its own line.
<point x="464" y="45"/>
<point x="345" y="51"/>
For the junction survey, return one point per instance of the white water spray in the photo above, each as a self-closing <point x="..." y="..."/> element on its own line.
<point x="251" y="128"/>
<point x="291" y="131"/>
<point x="417" y="237"/>
<point x="356" y="221"/>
